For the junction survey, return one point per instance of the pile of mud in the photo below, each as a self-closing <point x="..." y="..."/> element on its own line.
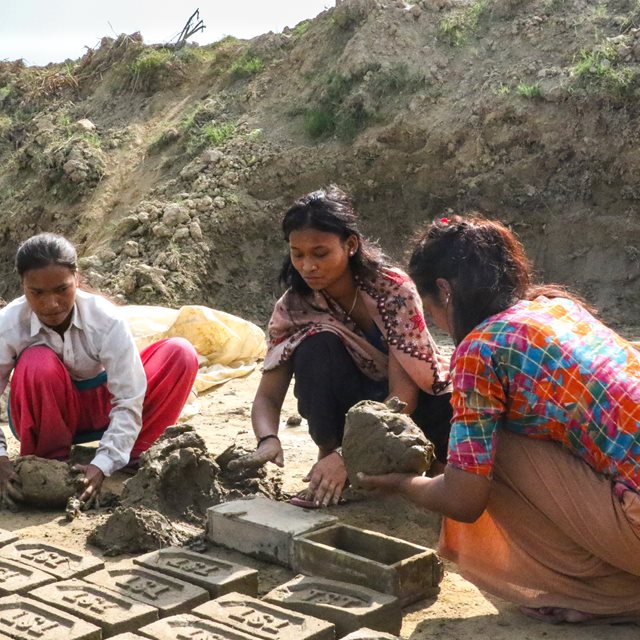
<point x="165" y="503"/>
<point x="46" y="483"/>
<point x="378" y="439"/>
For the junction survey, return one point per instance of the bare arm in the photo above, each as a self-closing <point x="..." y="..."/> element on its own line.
<point x="401" y="385"/>
<point x="457" y="494"/>
<point x="265" y="418"/>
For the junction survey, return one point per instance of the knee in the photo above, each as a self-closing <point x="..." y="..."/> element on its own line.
<point x="38" y="362"/>
<point x="318" y="349"/>
<point x="180" y="352"/>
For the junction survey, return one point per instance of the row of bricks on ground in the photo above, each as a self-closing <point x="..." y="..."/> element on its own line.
<point x="130" y="595"/>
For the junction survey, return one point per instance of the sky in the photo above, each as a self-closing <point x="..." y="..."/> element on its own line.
<point x="43" y="31"/>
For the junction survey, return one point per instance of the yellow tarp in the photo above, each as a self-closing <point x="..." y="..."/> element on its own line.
<point x="228" y="346"/>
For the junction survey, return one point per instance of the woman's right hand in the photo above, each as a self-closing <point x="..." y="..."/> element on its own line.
<point x="9" y="488"/>
<point x="269" y="450"/>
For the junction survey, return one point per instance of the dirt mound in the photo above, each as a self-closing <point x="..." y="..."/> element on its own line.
<point x="524" y="110"/>
<point x="134" y="530"/>
<point x="165" y="503"/>
<point x="378" y="440"/>
<point x="46" y="483"/>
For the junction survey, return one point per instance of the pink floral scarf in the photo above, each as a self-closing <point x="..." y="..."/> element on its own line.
<point x="394" y="305"/>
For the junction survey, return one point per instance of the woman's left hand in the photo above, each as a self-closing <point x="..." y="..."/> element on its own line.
<point x="92" y="481"/>
<point x="327" y="479"/>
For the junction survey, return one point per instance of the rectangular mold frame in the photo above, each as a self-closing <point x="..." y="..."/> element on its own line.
<point x="383" y="563"/>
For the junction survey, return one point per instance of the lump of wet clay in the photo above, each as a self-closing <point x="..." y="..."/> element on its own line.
<point x="378" y="439"/>
<point x="46" y="483"/>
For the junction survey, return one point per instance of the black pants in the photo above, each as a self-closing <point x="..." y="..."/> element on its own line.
<point x="328" y="383"/>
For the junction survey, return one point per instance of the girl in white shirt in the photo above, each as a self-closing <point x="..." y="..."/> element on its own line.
<point x="77" y="371"/>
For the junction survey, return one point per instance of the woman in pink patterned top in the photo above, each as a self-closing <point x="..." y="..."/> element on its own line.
<point x="541" y="491"/>
<point x="349" y="327"/>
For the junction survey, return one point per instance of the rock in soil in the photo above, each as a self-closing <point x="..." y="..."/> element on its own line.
<point x="378" y="439"/>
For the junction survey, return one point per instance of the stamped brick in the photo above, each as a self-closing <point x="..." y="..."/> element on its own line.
<point x="26" y="619"/>
<point x="16" y="577"/>
<point x="169" y="595"/>
<point x="264" y="620"/>
<point x="350" y="554"/>
<point x="190" y="627"/>
<point x="369" y="634"/>
<point x="111" y="611"/>
<point x="216" y="576"/>
<point x="348" y="606"/>
<point x="128" y="636"/>
<point x="261" y="527"/>
<point x="7" y="537"/>
<point x="57" y="561"/>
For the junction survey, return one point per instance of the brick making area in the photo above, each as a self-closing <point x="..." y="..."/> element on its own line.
<point x="353" y="583"/>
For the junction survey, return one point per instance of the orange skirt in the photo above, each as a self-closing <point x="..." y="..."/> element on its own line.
<point x="553" y="534"/>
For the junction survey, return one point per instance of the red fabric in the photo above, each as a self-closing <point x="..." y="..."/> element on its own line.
<point x="47" y="410"/>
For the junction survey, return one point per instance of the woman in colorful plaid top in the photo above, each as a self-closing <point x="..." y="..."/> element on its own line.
<point x="541" y="488"/>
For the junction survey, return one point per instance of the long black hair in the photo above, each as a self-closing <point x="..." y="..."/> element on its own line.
<point x="43" y="250"/>
<point x="486" y="267"/>
<point x="329" y="210"/>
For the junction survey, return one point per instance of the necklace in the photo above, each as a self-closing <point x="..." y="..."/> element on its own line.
<point x="355" y="299"/>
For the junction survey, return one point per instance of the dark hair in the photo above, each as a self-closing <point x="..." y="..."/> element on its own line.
<point x="43" y="250"/>
<point x="329" y="210"/>
<point x="485" y="265"/>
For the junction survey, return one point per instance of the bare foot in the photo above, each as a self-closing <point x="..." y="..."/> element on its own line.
<point x="555" y="615"/>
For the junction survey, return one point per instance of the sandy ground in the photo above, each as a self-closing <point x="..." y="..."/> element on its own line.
<point x="459" y="611"/>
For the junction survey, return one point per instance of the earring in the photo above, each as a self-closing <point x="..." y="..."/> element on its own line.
<point x="448" y="298"/>
<point x="351" y="253"/>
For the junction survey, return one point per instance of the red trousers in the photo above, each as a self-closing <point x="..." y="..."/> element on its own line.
<point x="48" y="410"/>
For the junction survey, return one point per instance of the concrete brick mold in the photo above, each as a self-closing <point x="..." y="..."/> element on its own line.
<point x="169" y="595"/>
<point x="16" y="577"/>
<point x="188" y="626"/>
<point x="348" y="606"/>
<point x="264" y="621"/>
<point x="26" y="619"/>
<point x="350" y="554"/>
<point x="261" y="527"/>
<point x="111" y="611"/>
<point x="57" y="561"/>
<point x="216" y="576"/>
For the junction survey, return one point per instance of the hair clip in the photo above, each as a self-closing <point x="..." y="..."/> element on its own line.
<point x="444" y="220"/>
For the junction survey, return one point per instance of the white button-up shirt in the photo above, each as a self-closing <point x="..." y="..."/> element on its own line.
<point x="98" y="339"/>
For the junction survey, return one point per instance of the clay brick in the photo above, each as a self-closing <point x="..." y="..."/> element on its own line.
<point x="26" y="619"/>
<point x="348" y="606"/>
<point x="111" y="611"/>
<point x="261" y="527"/>
<point x="7" y="537"/>
<point x="263" y="620"/>
<point x="57" y="561"/>
<point x="16" y="577"/>
<point x="369" y="634"/>
<point x="190" y="627"/>
<point x="350" y="554"/>
<point x="169" y="595"/>
<point x="128" y="636"/>
<point x="216" y="576"/>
